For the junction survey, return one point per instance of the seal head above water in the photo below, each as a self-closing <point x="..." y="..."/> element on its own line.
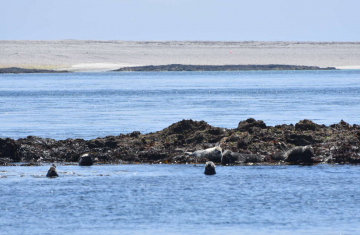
<point x="85" y="160"/>
<point x="52" y="172"/>
<point x="210" y="168"/>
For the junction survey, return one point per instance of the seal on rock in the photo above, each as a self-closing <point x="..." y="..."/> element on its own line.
<point x="52" y="172"/>
<point x="85" y="160"/>
<point x="297" y="155"/>
<point x="210" y="168"/>
<point x="213" y="154"/>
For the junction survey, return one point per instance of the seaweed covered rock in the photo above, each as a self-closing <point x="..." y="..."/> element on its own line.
<point x="305" y="125"/>
<point x="151" y="155"/>
<point x="186" y="127"/>
<point x="250" y="123"/>
<point x="8" y="149"/>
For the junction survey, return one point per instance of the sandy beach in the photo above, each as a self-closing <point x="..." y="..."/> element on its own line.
<point x="82" y="55"/>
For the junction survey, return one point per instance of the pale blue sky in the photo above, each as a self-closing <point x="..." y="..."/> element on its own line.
<point x="230" y="20"/>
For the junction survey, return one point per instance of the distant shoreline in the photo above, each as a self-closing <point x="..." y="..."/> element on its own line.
<point x="101" y="56"/>
<point x="16" y="70"/>
<point x="178" y="68"/>
<point x="182" y="67"/>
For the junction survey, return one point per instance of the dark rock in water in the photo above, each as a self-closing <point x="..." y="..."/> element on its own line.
<point x="86" y="160"/>
<point x="250" y="123"/>
<point x="8" y="149"/>
<point x="52" y="172"/>
<point x="210" y="168"/>
<point x="300" y="155"/>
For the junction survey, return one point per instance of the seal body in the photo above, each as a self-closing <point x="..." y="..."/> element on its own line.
<point x="213" y="154"/>
<point x="52" y="172"/>
<point x="300" y="154"/>
<point x="210" y="168"/>
<point x="85" y="160"/>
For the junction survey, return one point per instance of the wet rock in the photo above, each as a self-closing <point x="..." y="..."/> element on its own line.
<point x="52" y="172"/>
<point x="209" y="168"/>
<point x="86" y="160"/>
<point x="152" y="155"/>
<point x="5" y="162"/>
<point x="230" y="157"/>
<point x="186" y="127"/>
<point x="251" y="123"/>
<point x="8" y="149"/>
<point x="135" y="134"/>
<point x="300" y="139"/>
<point x="305" y="125"/>
<point x="341" y="125"/>
<point x="253" y="158"/>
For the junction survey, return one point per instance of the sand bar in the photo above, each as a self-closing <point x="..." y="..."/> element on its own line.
<point x="83" y="55"/>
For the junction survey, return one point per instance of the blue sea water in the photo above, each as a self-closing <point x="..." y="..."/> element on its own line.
<point x="180" y="199"/>
<point x="91" y="105"/>
<point x="176" y="199"/>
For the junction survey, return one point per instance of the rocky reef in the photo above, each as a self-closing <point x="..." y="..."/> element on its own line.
<point x="184" y="67"/>
<point x="252" y="142"/>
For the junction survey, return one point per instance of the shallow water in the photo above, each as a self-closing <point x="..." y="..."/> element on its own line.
<point x="90" y="105"/>
<point x="180" y="199"/>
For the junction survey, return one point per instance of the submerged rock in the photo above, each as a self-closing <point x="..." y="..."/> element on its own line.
<point x="209" y="168"/>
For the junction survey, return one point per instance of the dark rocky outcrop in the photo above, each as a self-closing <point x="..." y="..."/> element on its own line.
<point x="252" y="142"/>
<point x="184" y="67"/>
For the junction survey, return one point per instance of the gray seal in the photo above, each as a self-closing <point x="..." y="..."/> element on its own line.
<point x="85" y="160"/>
<point x="52" y="172"/>
<point x="210" y="168"/>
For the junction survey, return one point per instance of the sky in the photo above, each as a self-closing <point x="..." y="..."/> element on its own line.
<point x="206" y="20"/>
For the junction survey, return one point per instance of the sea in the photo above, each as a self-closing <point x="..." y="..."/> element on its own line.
<point x="91" y="105"/>
<point x="174" y="198"/>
